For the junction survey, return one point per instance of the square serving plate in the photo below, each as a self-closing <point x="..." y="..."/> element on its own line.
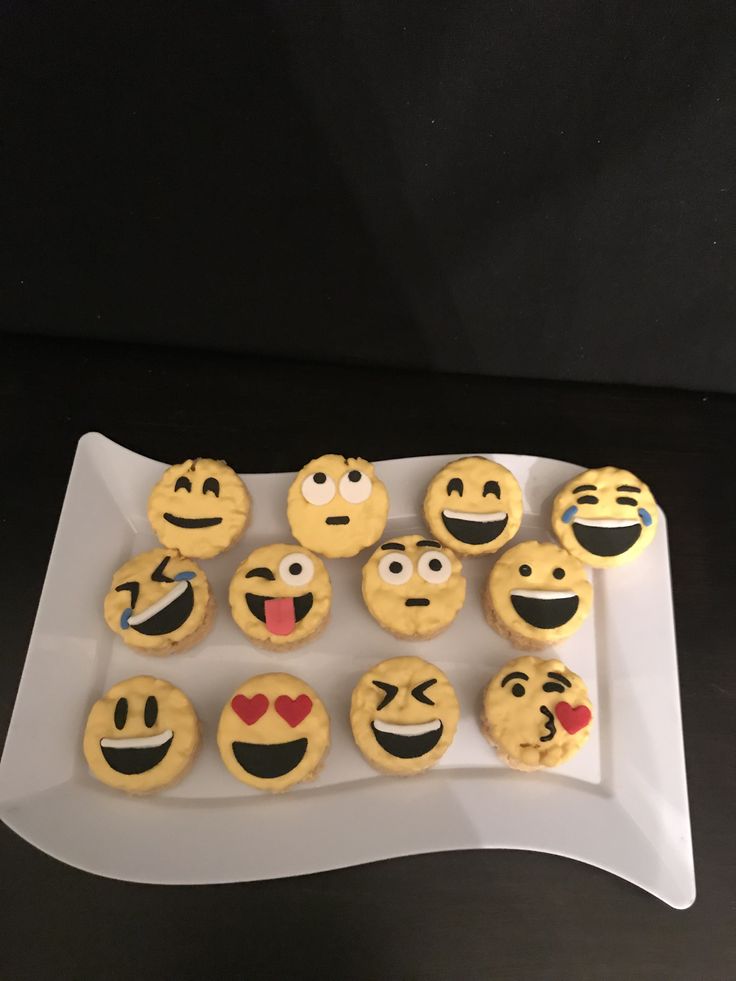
<point x="620" y="804"/>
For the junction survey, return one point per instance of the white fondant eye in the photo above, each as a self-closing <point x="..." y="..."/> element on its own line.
<point x="296" y="569"/>
<point x="355" y="486"/>
<point x="434" y="567"/>
<point x="395" y="568"/>
<point x="318" y="488"/>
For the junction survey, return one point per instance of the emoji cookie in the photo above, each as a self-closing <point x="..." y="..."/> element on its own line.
<point x="473" y="505"/>
<point x="403" y="713"/>
<point x="274" y="732"/>
<point x="200" y="507"/>
<point x="160" y="603"/>
<point x="605" y="517"/>
<point x="536" y="713"/>
<point x="413" y="586"/>
<point x="337" y="506"/>
<point x="141" y="736"/>
<point x="537" y="594"/>
<point x="280" y="596"/>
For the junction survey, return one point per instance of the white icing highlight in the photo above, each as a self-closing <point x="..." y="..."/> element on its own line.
<point x="407" y="730"/>
<point x="159" y="605"/>
<point x="606" y="522"/>
<point x="138" y="742"/>
<point x="303" y="576"/>
<point x="355" y="491"/>
<point x="318" y="494"/>
<point x="544" y="594"/>
<point x="429" y="574"/>
<point x="387" y="574"/>
<point x="475" y="516"/>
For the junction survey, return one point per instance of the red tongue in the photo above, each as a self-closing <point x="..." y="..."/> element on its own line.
<point x="280" y="617"/>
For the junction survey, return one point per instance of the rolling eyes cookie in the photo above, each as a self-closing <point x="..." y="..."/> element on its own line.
<point x="160" y="603"/>
<point x="280" y="596"/>
<point x="413" y="587"/>
<point x="274" y="732"/>
<point x="537" y="594"/>
<point x="536" y="713"/>
<point x="605" y="517"/>
<point x="200" y="507"/>
<point x="403" y="713"/>
<point x="337" y="506"/>
<point x="473" y="505"/>
<point x="141" y="736"/>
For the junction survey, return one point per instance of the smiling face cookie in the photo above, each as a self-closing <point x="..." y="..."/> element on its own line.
<point x="273" y="732"/>
<point x="537" y="594"/>
<point x="413" y="587"/>
<point x="159" y="602"/>
<point x="403" y="713"/>
<point x="473" y="505"/>
<point x="536" y="712"/>
<point x="201" y="507"/>
<point x="141" y="736"/>
<point x="337" y="506"/>
<point x="280" y="596"/>
<point x="605" y="517"/>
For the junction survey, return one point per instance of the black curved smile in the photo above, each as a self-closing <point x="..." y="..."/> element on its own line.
<point x="270" y="760"/>
<point x="131" y="760"/>
<point x="173" y="519"/>
<point x="168" y="619"/>
<point x="545" y="614"/>
<point x="603" y="541"/>
<point x="474" y="532"/>
<point x="404" y="746"/>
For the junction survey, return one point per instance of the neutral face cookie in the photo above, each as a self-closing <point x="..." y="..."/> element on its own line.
<point x="536" y="712"/>
<point x="473" y="505"/>
<point x="605" y="517"/>
<point x="337" y="506"/>
<point x="403" y="713"/>
<point x="200" y="507"/>
<point x="413" y="586"/>
<point x="159" y="602"/>
<point x="273" y="732"/>
<point x="280" y="595"/>
<point x="141" y="736"/>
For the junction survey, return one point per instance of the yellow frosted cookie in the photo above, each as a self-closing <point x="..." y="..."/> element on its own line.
<point x="141" y="736"/>
<point x="280" y="596"/>
<point x="200" y="506"/>
<point x="473" y="505"/>
<point x="537" y="594"/>
<point x="159" y="602"/>
<point x="337" y="506"/>
<point x="274" y="732"/>
<point x="536" y="713"/>
<point x="413" y="586"/>
<point x="605" y="517"/>
<point x="403" y="713"/>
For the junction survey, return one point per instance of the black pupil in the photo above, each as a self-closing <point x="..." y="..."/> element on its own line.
<point x="295" y="568"/>
<point x="150" y="712"/>
<point x="525" y="570"/>
<point x="121" y="713"/>
<point x="355" y="476"/>
<point x="320" y="478"/>
<point x="435" y="565"/>
<point x="517" y="690"/>
<point x="559" y="573"/>
<point x="395" y="567"/>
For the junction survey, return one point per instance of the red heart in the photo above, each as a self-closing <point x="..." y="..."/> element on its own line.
<point x="293" y="710"/>
<point x="249" y="709"/>
<point x="573" y="719"/>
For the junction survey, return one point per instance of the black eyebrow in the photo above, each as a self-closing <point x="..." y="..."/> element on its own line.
<point x="559" y="677"/>
<point x="583" y="487"/>
<point x="515" y="674"/>
<point x="134" y="588"/>
<point x="629" y="488"/>
<point x="159" y="573"/>
<point x="397" y="545"/>
<point x="429" y="543"/>
<point x="262" y="573"/>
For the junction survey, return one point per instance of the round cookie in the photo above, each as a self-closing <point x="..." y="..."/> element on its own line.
<point x="200" y="507"/>
<point x="537" y="594"/>
<point x="413" y="587"/>
<point x="403" y="713"/>
<point x="605" y="517"/>
<point x="473" y="505"/>
<point x="274" y="732"/>
<point x="141" y="736"/>
<point x="280" y="596"/>
<point x="337" y="506"/>
<point x="536" y="713"/>
<point x="160" y="603"/>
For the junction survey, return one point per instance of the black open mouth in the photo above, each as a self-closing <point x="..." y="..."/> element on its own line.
<point x="191" y="522"/>
<point x="474" y="532"/>
<point x="545" y="614"/>
<point x="606" y="542"/>
<point x="337" y="519"/>
<point x="131" y="760"/>
<point x="407" y="747"/>
<point x="417" y="601"/>
<point x="549" y="725"/>
<point x="170" y="618"/>
<point x="270" y="760"/>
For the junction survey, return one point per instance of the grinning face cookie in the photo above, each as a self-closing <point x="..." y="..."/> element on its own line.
<point x="200" y="507"/>
<point x="273" y="732"/>
<point x="605" y="517"/>
<point x="474" y="505"/>
<point x="537" y="594"/>
<point x="142" y="735"/>
<point x="337" y="506"/>
<point x="280" y="595"/>
<point x="536" y="712"/>
<point x="159" y="602"/>
<point x="413" y="586"/>
<point x="403" y="713"/>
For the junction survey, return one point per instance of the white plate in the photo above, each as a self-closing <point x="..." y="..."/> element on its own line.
<point x="621" y="804"/>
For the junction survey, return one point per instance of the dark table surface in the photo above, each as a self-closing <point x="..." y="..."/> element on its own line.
<point x="491" y="914"/>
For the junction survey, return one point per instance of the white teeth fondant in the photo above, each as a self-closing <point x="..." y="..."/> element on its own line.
<point x="138" y="742"/>
<point x="606" y="522"/>
<point x="159" y="604"/>
<point x="407" y="730"/>
<point x="544" y="594"/>
<point x="475" y="516"/>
